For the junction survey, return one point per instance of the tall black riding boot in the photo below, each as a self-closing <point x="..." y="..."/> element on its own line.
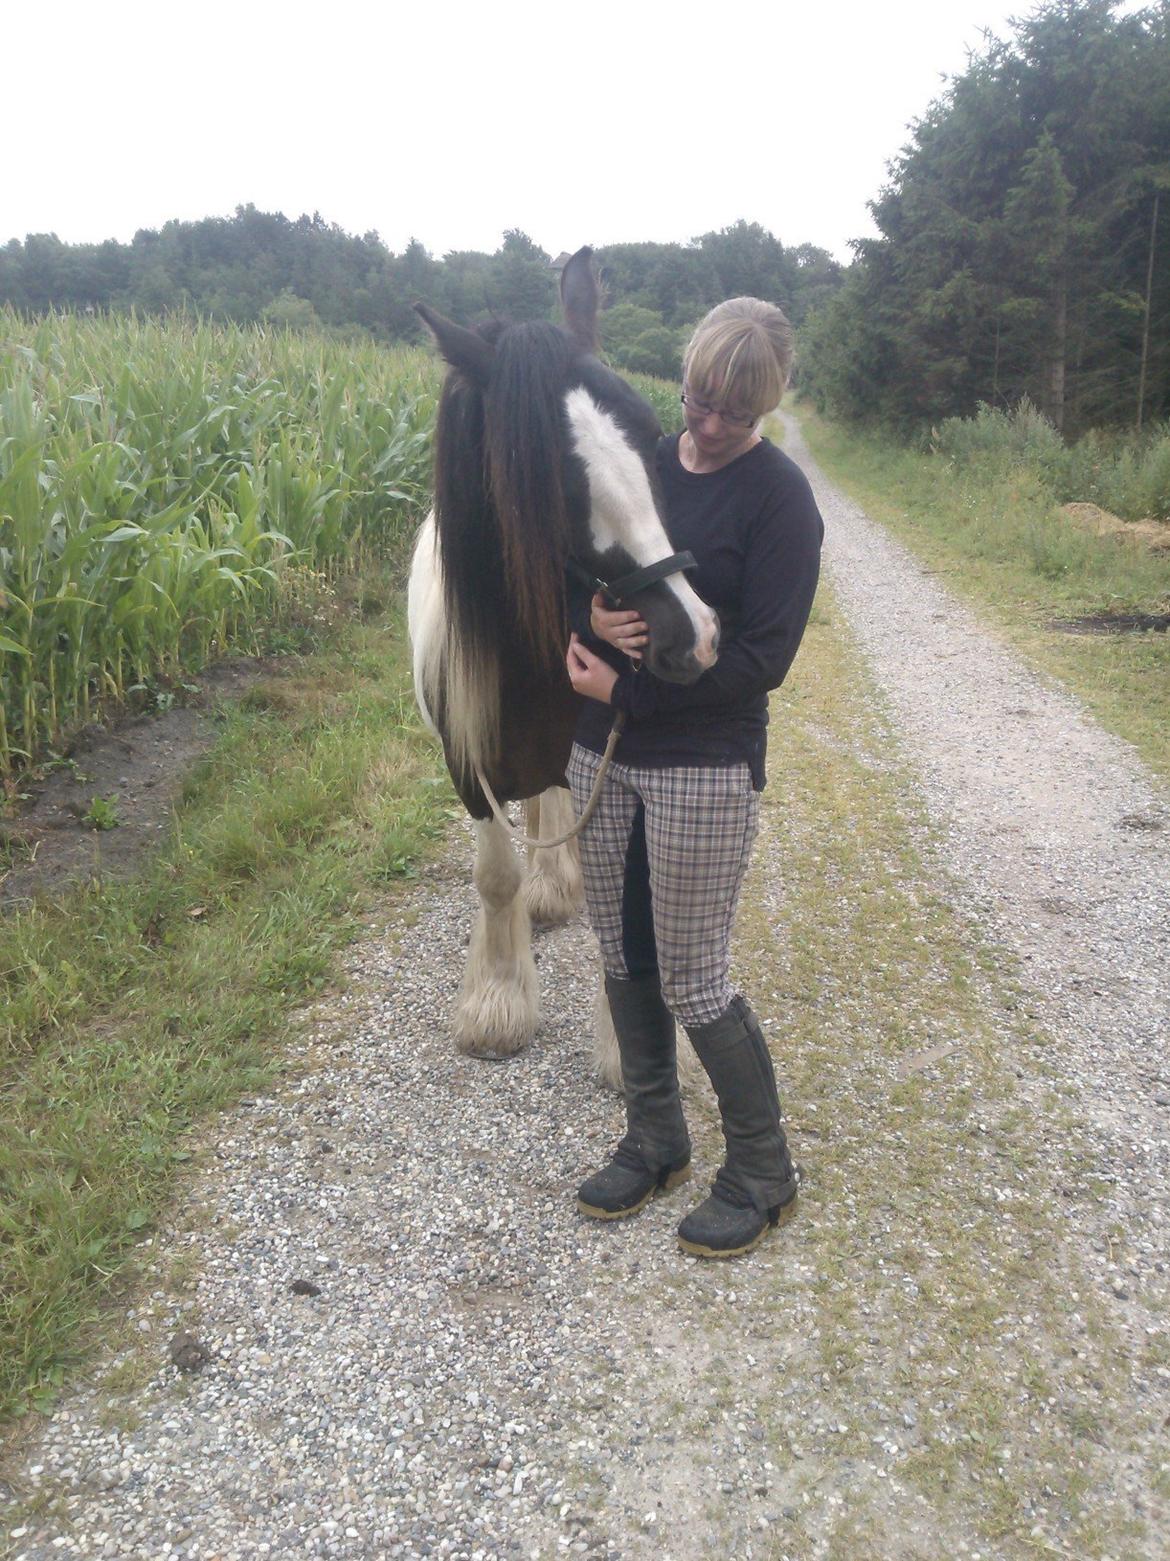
<point x="757" y="1184"/>
<point x="655" y="1154"/>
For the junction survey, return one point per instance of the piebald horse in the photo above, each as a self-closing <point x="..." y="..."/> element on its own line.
<point x="544" y="462"/>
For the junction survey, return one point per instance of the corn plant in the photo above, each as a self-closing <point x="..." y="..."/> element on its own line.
<point x="157" y="477"/>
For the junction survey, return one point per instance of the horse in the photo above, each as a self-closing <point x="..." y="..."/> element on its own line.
<point x="544" y="462"/>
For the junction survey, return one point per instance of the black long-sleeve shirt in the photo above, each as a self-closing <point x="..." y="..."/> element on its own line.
<point x="756" y="534"/>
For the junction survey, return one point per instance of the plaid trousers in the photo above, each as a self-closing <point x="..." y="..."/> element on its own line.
<point x="664" y="858"/>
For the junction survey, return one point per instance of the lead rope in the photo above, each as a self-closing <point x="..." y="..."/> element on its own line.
<point x="501" y="817"/>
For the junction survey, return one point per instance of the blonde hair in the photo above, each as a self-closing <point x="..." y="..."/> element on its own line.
<point x="740" y="355"/>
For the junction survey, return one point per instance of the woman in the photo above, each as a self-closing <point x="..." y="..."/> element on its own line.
<point x="665" y="853"/>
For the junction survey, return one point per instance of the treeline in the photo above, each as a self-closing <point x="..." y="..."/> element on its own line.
<point x="1022" y="256"/>
<point x="1024" y="248"/>
<point x="262" y="266"/>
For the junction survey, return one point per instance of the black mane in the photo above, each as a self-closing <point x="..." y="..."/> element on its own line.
<point x="499" y="493"/>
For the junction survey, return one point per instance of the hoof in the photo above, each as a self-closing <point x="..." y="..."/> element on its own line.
<point x="609" y="1074"/>
<point x="491" y="1048"/>
<point x="692" y="1081"/>
<point x="496" y="1022"/>
<point x="549" y="902"/>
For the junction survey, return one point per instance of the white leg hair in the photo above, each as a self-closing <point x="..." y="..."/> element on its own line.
<point x="499" y="1002"/>
<point x="607" y="1061"/>
<point x="424" y="602"/>
<point x="554" y="892"/>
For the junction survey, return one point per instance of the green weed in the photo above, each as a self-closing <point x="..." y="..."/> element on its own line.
<point x="102" y="813"/>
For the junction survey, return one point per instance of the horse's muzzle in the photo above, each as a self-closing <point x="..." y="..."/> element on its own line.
<point x="678" y="665"/>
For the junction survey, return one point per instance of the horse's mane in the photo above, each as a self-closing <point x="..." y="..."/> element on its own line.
<point x="499" y="500"/>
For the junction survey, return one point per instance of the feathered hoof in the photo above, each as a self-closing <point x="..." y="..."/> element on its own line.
<point x="489" y="1048"/>
<point x="609" y="1075"/>
<point x="692" y="1081"/>
<point x="551" y="902"/>
<point x="496" y="1023"/>
<point x="607" y="1062"/>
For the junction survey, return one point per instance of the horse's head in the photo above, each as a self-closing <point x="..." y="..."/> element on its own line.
<point x="567" y="448"/>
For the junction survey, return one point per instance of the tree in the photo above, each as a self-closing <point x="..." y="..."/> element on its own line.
<point x="239" y="267"/>
<point x="747" y="259"/>
<point x="1036" y="231"/>
<point x="635" y="339"/>
<point x="1013" y="256"/>
<point x="521" y="284"/>
<point x="289" y="312"/>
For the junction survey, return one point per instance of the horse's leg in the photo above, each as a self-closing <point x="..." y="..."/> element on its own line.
<point x="554" y="891"/>
<point x="498" y="1002"/>
<point x="607" y="1060"/>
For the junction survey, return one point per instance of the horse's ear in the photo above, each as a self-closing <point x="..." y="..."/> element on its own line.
<point x="463" y="349"/>
<point x="580" y="296"/>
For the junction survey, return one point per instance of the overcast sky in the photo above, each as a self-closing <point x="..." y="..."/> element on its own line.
<point x="579" y="123"/>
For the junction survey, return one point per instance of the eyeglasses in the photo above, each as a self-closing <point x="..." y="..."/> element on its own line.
<point x="701" y="409"/>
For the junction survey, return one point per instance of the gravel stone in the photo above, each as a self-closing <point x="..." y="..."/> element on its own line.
<point x="485" y="1375"/>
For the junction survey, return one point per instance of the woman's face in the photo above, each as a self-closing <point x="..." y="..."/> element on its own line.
<point x="720" y="430"/>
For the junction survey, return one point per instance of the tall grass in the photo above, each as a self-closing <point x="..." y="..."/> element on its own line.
<point x="663" y="396"/>
<point x="155" y="479"/>
<point x="1124" y="474"/>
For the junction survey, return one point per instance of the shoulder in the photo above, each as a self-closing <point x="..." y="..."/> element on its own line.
<point x="785" y="494"/>
<point x="666" y="452"/>
<point x="778" y="468"/>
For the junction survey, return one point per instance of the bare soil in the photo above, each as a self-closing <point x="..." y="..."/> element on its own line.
<point x="135" y="767"/>
<point x="1115" y="623"/>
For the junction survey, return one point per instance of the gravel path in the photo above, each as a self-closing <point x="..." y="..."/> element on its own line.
<point x="1058" y="840"/>
<point x="470" y="1371"/>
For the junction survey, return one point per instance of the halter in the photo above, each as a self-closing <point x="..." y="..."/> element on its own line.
<point x="615" y="591"/>
<point x="618" y="591"/>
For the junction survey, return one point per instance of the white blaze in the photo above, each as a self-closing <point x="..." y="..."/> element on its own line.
<point x="622" y="510"/>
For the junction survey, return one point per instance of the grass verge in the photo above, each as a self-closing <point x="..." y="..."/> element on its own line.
<point x="967" y="1385"/>
<point x="133" y="1010"/>
<point x="1001" y="542"/>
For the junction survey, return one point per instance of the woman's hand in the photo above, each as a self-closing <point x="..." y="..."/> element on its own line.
<point x="588" y="674"/>
<point x="620" y="627"/>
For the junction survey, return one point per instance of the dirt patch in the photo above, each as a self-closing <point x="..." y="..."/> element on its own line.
<point x="1114" y="623"/>
<point x="105" y="806"/>
<point x="1091" y="517"/>
<point x="1147" y="820"/>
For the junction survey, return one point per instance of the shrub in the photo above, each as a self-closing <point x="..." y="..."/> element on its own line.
<point x="1137" y="486"/>
<point x="656" y="351"/>
<point x="1004" y="441"/>
<point x="1131" y="478"/>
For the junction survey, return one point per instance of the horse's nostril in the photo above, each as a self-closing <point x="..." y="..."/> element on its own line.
<point x="708" y="651"/>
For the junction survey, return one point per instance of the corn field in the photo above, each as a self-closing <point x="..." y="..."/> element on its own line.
<point x="156" y="478"/>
